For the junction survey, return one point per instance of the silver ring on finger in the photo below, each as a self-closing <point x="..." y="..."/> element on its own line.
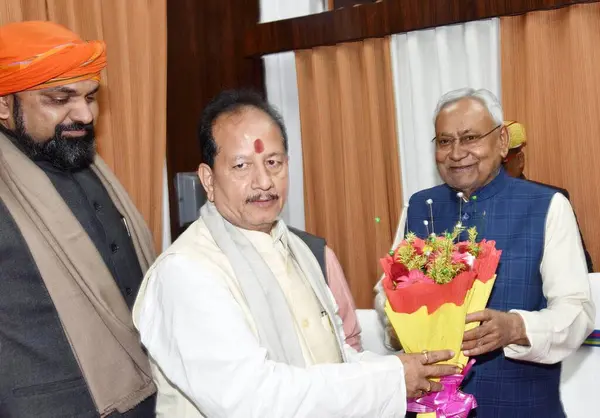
<point x="426" y="354"/>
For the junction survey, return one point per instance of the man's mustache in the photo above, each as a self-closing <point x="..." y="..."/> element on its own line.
<point x="87" y="127"/>
<point x="262" y="197"/>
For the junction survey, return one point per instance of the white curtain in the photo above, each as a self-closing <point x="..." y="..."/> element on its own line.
<point x="282" y="91"/>
<point x="427" y="64"/>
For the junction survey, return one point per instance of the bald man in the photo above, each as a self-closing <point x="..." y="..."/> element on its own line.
<point x="73" y="248"/>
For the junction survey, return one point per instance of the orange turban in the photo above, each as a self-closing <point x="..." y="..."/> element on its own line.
<point x="38" y="55"/>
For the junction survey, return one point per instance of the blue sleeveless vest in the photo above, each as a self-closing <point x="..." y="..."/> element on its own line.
<point x="511" y="212"/>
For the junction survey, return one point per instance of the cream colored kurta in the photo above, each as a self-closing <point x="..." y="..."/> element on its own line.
<point x="313" y="327"/>
<point x="208" y="362"/>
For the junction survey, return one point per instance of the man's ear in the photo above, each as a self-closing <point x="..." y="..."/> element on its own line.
<point x="521" y="160"/>
<point x="5" y="108"/>
<point x="504" y="141"/>
<point x="206" y="176"/>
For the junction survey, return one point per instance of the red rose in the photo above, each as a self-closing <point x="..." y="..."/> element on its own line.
<point x="397" y="271"/>
<point x="462" y="247"/>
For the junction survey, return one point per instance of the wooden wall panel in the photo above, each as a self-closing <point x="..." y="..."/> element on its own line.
<point x="376" y="20"/>
<point x="205" y="56"/>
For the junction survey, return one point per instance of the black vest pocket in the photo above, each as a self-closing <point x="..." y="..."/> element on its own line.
<point x="62" y="398"/>
<point x="48" y="388"/>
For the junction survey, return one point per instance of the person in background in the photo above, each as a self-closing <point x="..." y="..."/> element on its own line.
<point x="336" y="280"/>
<point x="236" y="315"/>
<point x="73" y="248"/>
<point x="514" y="164"/>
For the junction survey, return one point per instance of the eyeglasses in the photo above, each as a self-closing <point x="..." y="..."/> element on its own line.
<point x="465" y="141"/>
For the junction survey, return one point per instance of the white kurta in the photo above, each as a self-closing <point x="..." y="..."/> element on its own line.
<point x="560" y="329"/>
<point x="207" y="359"/>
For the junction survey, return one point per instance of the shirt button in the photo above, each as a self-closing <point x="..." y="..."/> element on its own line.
<point x="114" y="247"/>
<point x="305" y="323"/>
<point x="129" y="291"/>
<point x="97" y="206"/>
<point x="466" y="216"/>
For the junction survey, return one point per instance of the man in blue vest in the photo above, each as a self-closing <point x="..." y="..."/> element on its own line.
<point x="540" y="310"/>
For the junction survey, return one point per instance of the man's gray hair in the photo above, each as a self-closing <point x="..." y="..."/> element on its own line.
<point x="486" y="97"/>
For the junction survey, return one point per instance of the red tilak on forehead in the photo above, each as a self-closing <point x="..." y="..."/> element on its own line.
<point x="259" y="147"/>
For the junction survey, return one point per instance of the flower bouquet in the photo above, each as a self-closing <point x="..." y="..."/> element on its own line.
<point x="431" y="285"/>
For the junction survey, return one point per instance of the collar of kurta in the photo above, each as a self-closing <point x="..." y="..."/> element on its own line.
<point x="279" y="233"/>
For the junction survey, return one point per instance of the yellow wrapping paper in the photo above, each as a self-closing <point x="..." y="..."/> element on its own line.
<point x="442" y="329"/>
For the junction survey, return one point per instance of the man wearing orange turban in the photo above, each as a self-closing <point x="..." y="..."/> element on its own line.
<point x="49" y="79"/>
<point x="73" y="247"/>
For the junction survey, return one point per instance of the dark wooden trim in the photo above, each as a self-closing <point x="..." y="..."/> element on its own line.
<point x="347" y="3"/>
<point x="381" y="19"/>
